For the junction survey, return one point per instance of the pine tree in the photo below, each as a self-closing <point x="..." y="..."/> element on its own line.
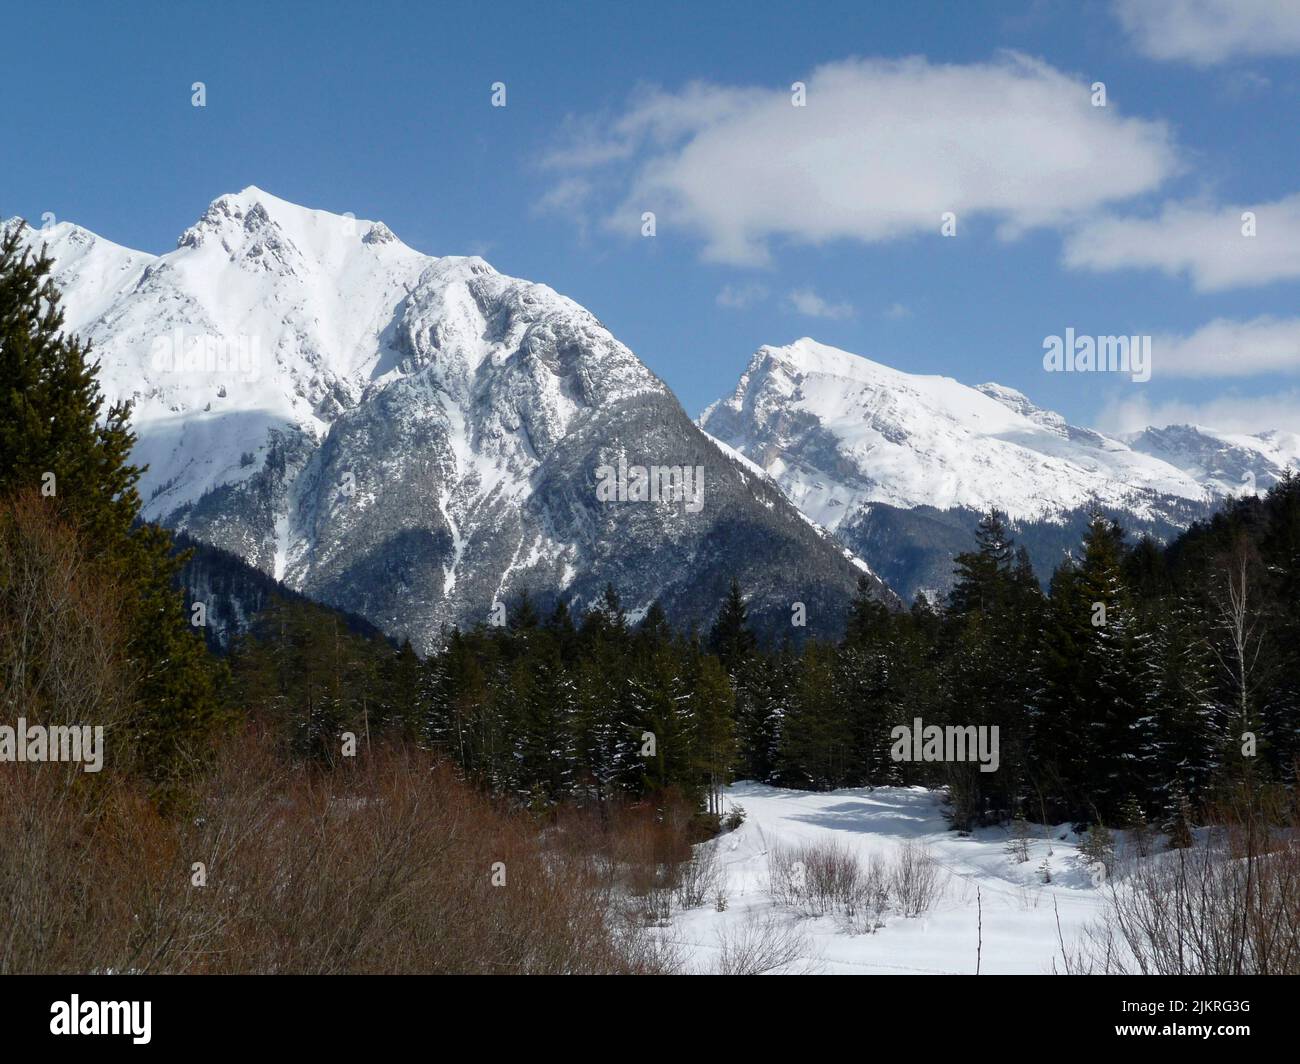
<point x="1189" y="730"/>
<point x="815" y="741"/>
<point x="1279" y="694"/>
<point x="713" y="706"/>
<point x="731" y="638"/>
<point x="399" y="696"/>
<point x="1092" y="726"/>
<point x="758" y="685"/>
<point x="654" y="631"/>
<point x="560" y="624"/>
<point x="523" y="618"/>
<point x="1133" y="819"/>
<point x="978" y="586"/>
<point x="989" y="673"/>
<point x="866" y="687"/>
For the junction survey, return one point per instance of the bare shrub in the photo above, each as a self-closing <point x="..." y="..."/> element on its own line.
<point x="389" y="864"/>
<point x="61" y="634"/>
<point x="700" y="878"/>
<point x="1018" y="843"/>
<point x="760" y="944"/>
<point x="865" y="912"/>
<point x="784" y="875"/>
<point x="816" y="878"/>
<point x="641" y="855"/>
<point x="1227" y="905"/>
<point x="646" y="857"/>
<point x="916" y="879"/>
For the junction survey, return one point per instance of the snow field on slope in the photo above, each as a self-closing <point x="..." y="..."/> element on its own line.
<point x="909" y="439"/>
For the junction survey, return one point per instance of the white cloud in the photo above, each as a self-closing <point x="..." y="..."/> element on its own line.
<point x="566" y="194"/>
<point x="1206" y="32"/>
<point x="808" y="302"/>
<point x="1204" y="242"/>
<point x="896" y="311"/>
<point x="740" y="296"/>
<point x="881" y="150"/>
<point x="1226" y="413"/>
<point x="568" y="197"/>
<point x="1226" y="348"/>
<point x="1245" y="84"/>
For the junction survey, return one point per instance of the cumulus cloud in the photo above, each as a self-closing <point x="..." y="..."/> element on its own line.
<point x="808" y="302"/>
<point x="1226" y="348"/>
<point x="740" y="296"/>
<point x="1206" y="243"/>
<point x="1206" y="32"/>
<point x="880" y="151"/>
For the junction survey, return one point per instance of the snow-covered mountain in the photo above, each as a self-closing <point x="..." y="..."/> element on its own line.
<point x="1221" y="462"/>
<point x="415" y="439"/>
<point x="900" y="465"/>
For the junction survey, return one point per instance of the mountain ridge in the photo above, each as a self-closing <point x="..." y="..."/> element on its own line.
<point x="415" y="438"/>
<point x="857" y="445"/>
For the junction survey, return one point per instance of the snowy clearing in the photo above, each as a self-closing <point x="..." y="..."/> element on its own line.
<point x="1020" y="932"/>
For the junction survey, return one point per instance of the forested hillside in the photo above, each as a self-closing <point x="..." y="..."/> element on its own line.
<point x="1140" y="681"/>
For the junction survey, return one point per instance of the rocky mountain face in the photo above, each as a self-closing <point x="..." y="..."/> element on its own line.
<point x="901" y="466"/>
<point x="416" y="440"/>
<point x="1223" y="463"/>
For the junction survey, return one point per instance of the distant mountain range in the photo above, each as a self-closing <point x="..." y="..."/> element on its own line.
<point x="900" y="466"/>
<point x="417" y="440"/>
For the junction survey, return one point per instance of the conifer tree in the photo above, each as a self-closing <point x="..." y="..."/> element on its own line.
<point x="989" y="676"/>
<point x="731" y="638"/>
<point x="866" y="687"/>
<point x="758" y="687"/>
<point x="398" y="705"/>
<point x="540" y="721"/>
<point x="523" y="617"/>
<point x="560" y="624"/>
<point x="713" y="702"/>
<point x="1093" y="726"/>
<point x="815" y="740"/>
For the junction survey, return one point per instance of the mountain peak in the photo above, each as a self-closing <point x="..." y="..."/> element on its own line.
<point x="253" y="220"/>
<point x="807" y="356"/>
<point x="281" y="356"/>
<point x="252" y="199"/>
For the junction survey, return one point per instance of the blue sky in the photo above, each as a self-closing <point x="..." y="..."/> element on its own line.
<point x="772" y="222"/>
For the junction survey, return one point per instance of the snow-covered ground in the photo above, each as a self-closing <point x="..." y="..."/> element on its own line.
<point x="1020" y="932"/>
